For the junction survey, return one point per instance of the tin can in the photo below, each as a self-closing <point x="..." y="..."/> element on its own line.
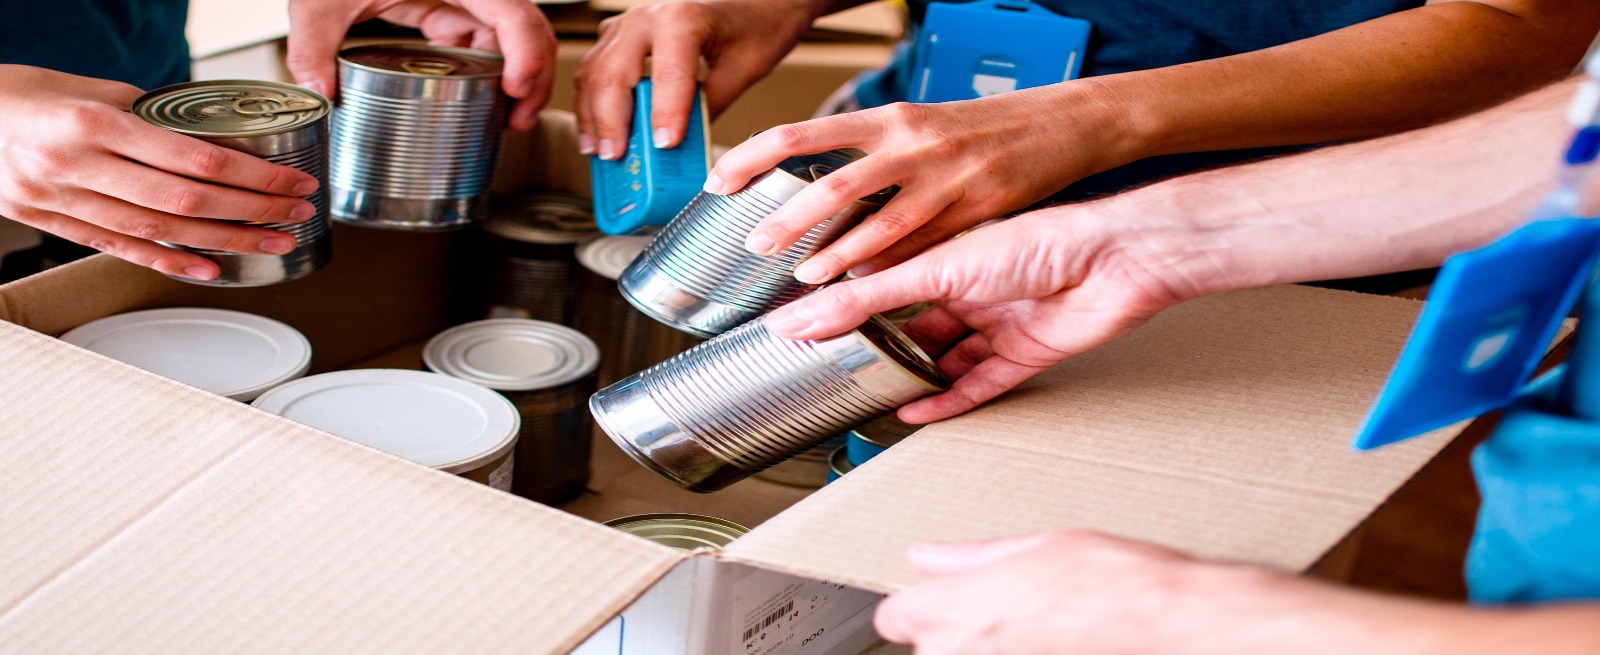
<point x="808" y="470"/>
<point x="531" y="242"/>
<point x="415" y="135"/>
<point x="629" y="341"/>
<point x="870" y="440"/>
<point x="546" y="371"/>
<point x="685" y="531"/>
<point x="697" y="276"/>
<point x="839" y="464"/>
<point x="434" y="420"/>
<point x="232" y="354"/>
<point x="281" y="123"/>
<point x="747" y="399"/>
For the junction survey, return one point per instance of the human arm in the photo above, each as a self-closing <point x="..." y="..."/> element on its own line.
<point x="961" y="163"/>
<point x="1081" y="592"/>
<point x="515" y="28"/>
<point x="1051" y="283"/>
<point x="741" y="40"/>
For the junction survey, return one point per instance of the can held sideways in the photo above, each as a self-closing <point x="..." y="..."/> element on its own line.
<point x="415" y="136"/>
<point x="745" y="400"/>
<point x="629" y="341"/>
<point x="870" y="440"/>
<point x="697" y="276"/>
<point x="532" y="244"/>
<point x="546" y="371"/>
<point x="685" y="531"/>
<point x="434" y="420"/>
<point x="807" y="470"/>
<point x="281" y="123"/>
<point x="228" y="353"/>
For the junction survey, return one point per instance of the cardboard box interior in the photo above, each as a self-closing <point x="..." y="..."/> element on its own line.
<point x="152" y="514"/>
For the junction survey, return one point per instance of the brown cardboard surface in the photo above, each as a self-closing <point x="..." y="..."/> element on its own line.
<point x="1221" y="429"/>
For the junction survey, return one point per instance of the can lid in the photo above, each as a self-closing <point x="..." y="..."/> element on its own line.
<point x="916" y="366"/>
<point x="541" y="218"/>
<point x="609" y="256"/>
<point x="431" y="419"/>
<point x="231" y="108"/>
<point x="685" y="531"/>
<point x="512" y="354"/>
<point x="415" y="59"/>
<point x="839" y="461"/>
<point x="885" y="432"/>
<point x="229" y="353"/>
<point x="810" y="168"/>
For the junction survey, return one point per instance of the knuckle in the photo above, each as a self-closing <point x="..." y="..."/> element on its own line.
<point x="149" y="229"/>
<point x="789" y="137"/>
<point x="892" y="224"/>
<point x="208" y="161"/>
<point x="86" y="117"/>
<point x="904" y="112"/>
<point x="677" y="12"/>
<point x="105" y="245"/>
<point x="51" y="160"/>
<point x="238" y="241"/>
<point x="27" y="191"/>
<point x="181" y="201"/>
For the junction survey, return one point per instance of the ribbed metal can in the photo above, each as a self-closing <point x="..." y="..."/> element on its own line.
<point x="683" y="531"/>
<point x="697" y="276"/>
<point x="629" y="341"/>
<point x="531" y="243"/>
<point x="808" y="470"/>
<point x="748" y="399"/>
<point x="546" y="371"/>
<point x="415" y="135"/>
<point x="281" y="123"/>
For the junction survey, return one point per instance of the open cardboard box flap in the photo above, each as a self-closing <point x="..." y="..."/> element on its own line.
<point x="145" y="514"/>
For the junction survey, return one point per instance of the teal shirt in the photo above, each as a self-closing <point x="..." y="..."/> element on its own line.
<point x="140" y="42"/>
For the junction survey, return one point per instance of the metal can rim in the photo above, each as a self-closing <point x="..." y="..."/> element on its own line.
<point x="893" y="345"/>
<point x="444" y="353"/>
<point x="709" y="524"/>
<point x="839" y="461"/>
<point x="441" y="49"/>
<point x="149" y="96"/>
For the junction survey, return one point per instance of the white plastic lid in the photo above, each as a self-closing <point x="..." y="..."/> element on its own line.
<point x="229" y="353"/>
<point x="512" y="354"/>
<point x="433" y="420"/>
<point x="609" y="256"/>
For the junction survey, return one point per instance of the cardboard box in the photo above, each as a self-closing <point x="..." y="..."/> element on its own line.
<point x="143" y="515"/>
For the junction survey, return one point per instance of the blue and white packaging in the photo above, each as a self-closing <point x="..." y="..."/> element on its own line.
<point x="649" y="185"/>
<point x="977" y="49"/>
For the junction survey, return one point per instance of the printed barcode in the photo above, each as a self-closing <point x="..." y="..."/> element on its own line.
<point x="769" y="620"/>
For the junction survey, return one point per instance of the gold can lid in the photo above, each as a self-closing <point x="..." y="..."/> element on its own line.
<point x="424" y="60"/>
<point x="810" y="168"/>
<point x="231" y="108"/>
<point x="685" y="531"/>
<point x="542" y="218"/>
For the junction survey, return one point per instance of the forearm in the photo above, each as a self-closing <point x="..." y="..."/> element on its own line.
<point x="1397" y="72"/>
<point x="1401" y="202"/>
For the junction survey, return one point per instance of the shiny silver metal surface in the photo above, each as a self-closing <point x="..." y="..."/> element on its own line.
<point x="808" y="470"/>
<point x="685" y="531"/>
<point x="697" y="276"/>
<point x="629" y="341"/>
<point x="746" y="400"/>
<point x="280" y="123"/>
<point x="531" y="243"/>
<point x="415" y="136"/>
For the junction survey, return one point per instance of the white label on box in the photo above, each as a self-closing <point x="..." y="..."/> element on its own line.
<point x="785" y="615"/>
<point x="500" y="477"/>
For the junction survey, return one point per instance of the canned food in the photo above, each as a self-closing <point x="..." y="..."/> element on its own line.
<point x="870" y="440"/>
<point x="281" y="123"/>
<point x="434" y="420"/>
<point x="546" y="371"/>
<point x="532" y="244"/>
<point x="629" y="341"/>
<point x="747" y="399"/>
<point x="685" y="531"/>
<point x="697" y="276"/>
<point x="839" y="464"/>
<point x="415" y="135"/>
<point x="228" y="353"/>
<point x="808" y="470"/>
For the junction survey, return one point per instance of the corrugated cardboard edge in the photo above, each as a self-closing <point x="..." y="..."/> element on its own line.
<point x="1222" y="428"/>
<point x="111" y="501"/>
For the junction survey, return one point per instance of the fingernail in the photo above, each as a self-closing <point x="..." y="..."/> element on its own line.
<point x="662" y="138"/>
<point x="789" y="320"/>
<point x="302" y="211"/>
<point x="811" y="273"/>
<point x="714" y="184"/>
<point x="759" y="243"/>
<point x="199" y="272"/>
<point x="585" y="144"/>
<point x="863" y="270"/>
<point x="277" y="245"/>
<point x="305" y="187"/>
<point x="608" y="150"/>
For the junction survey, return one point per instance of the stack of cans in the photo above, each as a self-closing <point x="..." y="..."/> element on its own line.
<point x="531" y="243"/>
<point x="682" y="531"/>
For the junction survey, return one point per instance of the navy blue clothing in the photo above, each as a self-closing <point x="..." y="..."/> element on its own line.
<point x="1132" y="35"/>
<point x="140" y="42"/>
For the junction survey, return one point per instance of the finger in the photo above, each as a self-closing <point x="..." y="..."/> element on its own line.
<point x="486" y="40"/>
<point x="674" y="67"/>
<point x="939" y="230"/>
<point x="967" y="354"/>
<point x="524" y="114"/>
<point x="982" y="384"/>
<point x="898" y="617"/>
<point x="316" y="29"/>
<point x="526" y="111"/>
<point x="934" y="330"/>
<point x="837" y="308"/>
<point x="606" y="89"/>
<point x="147" y="225"/>
<point x="193" y="158"/>
<point x="524" y="36"/>
<point x="181" y="196"/>
<point x="906" y="212"/>
<point x="763" y="151"/>
<point x="124" y="247"/>
<point x="946" y="558"/>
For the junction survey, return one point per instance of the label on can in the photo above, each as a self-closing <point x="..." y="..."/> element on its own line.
<point x="500" y="477"/>
<point x="231" y="108"/>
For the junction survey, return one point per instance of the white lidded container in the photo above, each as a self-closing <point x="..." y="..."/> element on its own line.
<point x="434" y="420"/>
<point x="232" y="354"/>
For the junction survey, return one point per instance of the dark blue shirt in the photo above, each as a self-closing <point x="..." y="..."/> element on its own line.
<point x="140" y="42"/>
<point x="1132" y="35"/>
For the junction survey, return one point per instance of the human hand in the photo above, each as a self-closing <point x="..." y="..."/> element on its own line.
<point x="515" y="28"/>
<point x="80" y="166"/>
<point x="957" y="163"/>
<point x="741" y="41"/>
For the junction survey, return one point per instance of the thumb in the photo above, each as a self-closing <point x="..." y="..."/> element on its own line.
<point x="946" y="558"/>
<point x="316" y="29"/>
<point x="839" y="307"/>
